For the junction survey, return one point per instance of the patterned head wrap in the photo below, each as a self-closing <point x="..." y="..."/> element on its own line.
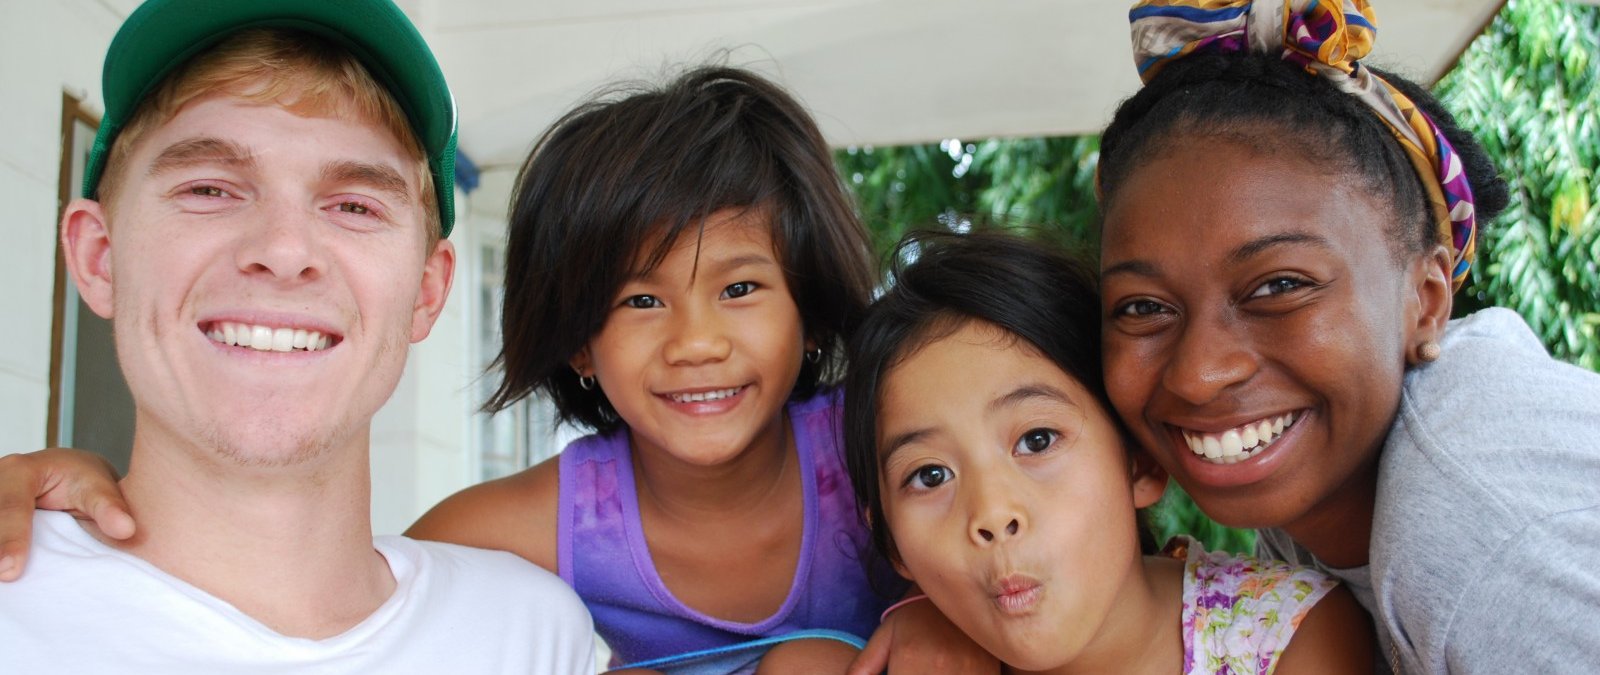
<point x="1327" y="38"/>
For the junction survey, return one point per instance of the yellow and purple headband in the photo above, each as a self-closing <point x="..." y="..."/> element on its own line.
<point x="1327" y="39"/>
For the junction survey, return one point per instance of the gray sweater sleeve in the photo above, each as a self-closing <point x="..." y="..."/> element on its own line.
<point x="1486" y="532"/>
<point x="1535" y="606"/>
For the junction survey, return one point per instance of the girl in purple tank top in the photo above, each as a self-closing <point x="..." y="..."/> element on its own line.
<point x="682" y="268"/>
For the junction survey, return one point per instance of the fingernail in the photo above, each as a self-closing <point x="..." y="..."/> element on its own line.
<point x="6" y="564"/>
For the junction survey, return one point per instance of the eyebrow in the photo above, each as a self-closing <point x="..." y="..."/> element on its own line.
<point x="900" y="441"/>
<point x="718" y="267"/>
<point x="377" y="176"/>
<point x="205" y="150"/>
<point x="1029" y="392"/>
<point x="1026" y="392"/>
<point x="746" y="260"/>
<point x="1243" y="252"/>
<point x="1141" y="268"/>
<point x="1254" y="247"/>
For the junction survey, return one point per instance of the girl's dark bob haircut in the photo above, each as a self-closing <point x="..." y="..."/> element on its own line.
<point x="637" y="167"/>
<point x="1039" y="294"/>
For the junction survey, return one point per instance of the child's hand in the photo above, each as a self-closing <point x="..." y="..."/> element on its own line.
<point x="917" y="638"/>
<point x="78" y="482"/>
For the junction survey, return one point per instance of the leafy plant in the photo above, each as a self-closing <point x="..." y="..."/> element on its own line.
<point x="1529" y="88"/>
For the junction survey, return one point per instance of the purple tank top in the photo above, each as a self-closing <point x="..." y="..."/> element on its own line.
<point x="602" y="552"/>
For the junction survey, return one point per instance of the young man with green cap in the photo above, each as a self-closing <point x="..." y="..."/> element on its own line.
<point x="263" y="220"/>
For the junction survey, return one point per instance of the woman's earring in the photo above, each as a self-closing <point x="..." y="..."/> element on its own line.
<point x="1429" y="351"/>
<point x="814" y="355"/>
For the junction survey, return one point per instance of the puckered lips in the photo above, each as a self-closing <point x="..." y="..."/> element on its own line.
<point x="270" y="337"/>
<point x="1017" y="594"/>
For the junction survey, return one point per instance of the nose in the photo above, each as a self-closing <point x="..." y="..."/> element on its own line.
<point x="1212" y="353"/>
<point x="996" y="516"/>
<point x="698" y="336"/>
<point x="281" y="243"/>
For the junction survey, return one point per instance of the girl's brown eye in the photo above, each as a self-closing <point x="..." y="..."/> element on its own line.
<point x="206" y="191"/>
<point x="642" y="301"/>
<point x="352" y="207"/>
<point x="739" y="290"/>
<point x="1035" y="441"/>
<point x="929" y="476"/>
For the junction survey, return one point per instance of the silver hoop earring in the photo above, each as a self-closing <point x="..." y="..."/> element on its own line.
<point x="586" y="382"/>
<point x="814" y="355"/>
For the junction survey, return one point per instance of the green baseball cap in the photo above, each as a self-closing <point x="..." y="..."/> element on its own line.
<point x="163" y="34"/>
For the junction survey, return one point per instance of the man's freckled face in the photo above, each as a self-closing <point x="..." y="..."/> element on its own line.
<point x="250" y="215"/>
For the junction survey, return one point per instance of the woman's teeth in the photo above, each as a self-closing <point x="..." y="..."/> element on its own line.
<point x="699" y="396"/>
<point x="1239" y="443"/>
<point x="265" y="339"/>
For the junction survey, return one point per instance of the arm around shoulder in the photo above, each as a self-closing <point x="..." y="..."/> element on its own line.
<point x="1535" y="604"/>
<point x="1335" y="637"/>
<point x="517" y="514"/>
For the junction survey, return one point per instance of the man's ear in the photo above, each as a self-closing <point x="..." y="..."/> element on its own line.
<point x="1428" y="302"/>
<point x="86" y="249"/>
<point x="438" y="272"/>
<point x="1149" y="480"/>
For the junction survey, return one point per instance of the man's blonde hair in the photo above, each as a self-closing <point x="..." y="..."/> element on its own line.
<point x="303" y="74"/>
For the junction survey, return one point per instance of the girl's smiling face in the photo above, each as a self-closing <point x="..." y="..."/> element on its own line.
<point x="700" y="353"/>
<point x="1258" y="325"/>
<point x="1009" y="494"/>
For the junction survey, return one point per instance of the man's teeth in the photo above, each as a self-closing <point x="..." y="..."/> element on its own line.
<point x="1239" y="443"/>
<point x="262" y="338"/>
<point x="699" y="396"/>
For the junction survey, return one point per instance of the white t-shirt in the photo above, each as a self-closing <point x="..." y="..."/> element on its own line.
<point x="84" y="607"/>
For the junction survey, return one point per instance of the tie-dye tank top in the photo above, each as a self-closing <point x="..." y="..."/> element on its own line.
<point x="602" y="551"/>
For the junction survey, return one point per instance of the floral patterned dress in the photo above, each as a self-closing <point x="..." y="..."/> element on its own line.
<point x="1238" y="612"/>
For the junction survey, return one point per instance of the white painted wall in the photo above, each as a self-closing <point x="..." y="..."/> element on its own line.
<point x="45" y="48"/>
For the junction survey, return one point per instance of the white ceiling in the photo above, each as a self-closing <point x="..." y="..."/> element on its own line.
<point x="873" y="71"/>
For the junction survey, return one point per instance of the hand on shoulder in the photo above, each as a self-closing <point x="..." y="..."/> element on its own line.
<point x="516" y="514"/>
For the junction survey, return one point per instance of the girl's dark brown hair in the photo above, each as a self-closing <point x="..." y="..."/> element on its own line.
<point x="611" y="177"/>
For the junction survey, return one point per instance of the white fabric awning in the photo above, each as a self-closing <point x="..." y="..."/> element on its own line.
<point x="873" y="71"/>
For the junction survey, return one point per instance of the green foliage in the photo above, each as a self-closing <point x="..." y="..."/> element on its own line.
<point x="1176" y="514"/>
<point x="1043" y="183"/>
<point x="1529" y="88"/>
